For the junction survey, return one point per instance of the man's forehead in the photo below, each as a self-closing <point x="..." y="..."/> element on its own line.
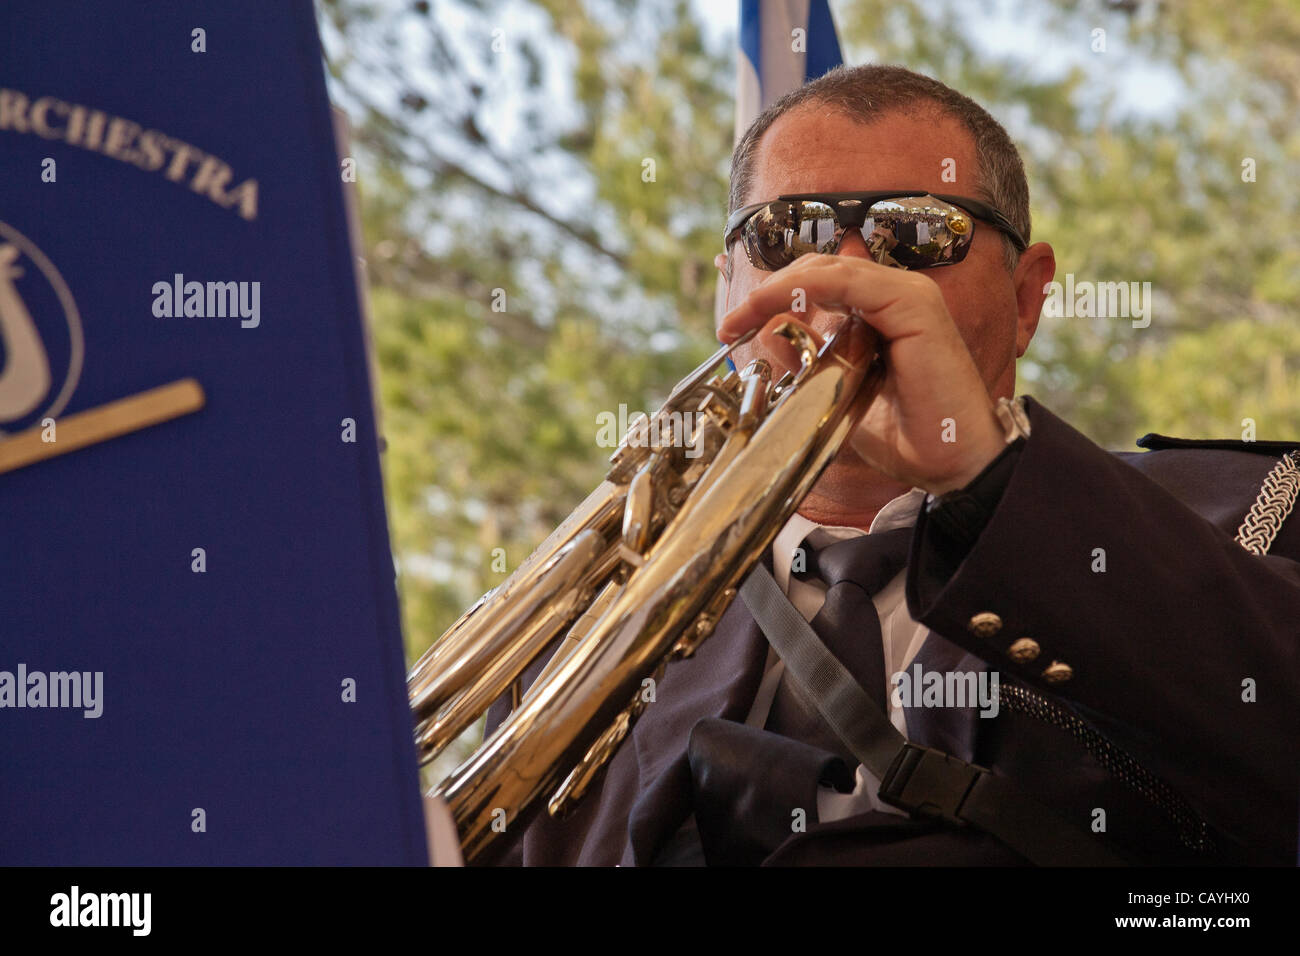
<point x="816" y="149"/>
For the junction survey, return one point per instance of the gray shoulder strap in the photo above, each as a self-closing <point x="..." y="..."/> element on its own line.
<point x="850" y="711"/>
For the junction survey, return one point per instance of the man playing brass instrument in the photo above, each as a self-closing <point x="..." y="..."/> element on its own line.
<point x="1092" y="655"/>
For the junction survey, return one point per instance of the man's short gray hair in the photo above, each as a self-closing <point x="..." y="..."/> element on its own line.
<point x="866" y="93"/>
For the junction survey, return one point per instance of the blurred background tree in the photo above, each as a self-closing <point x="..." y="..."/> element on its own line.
<point x="540" y="189"/>
<point x="543" y="184"/>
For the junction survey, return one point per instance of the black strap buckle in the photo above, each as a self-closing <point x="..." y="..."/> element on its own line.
<point x="929" y="783"/>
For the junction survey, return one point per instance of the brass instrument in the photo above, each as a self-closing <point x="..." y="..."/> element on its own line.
<point x="638" y="574"/>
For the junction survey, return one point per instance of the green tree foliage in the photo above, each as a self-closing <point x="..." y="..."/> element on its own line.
<point x="540" y="210"/>
<point x="503" y="152"/>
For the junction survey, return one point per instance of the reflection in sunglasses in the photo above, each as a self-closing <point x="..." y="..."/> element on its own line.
<point x="918" y="232"/>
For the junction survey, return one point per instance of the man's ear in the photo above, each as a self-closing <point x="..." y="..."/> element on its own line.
<point x="723" y="263"/>
<point x="1033" y="272"/>
<point x="723" y="290"/>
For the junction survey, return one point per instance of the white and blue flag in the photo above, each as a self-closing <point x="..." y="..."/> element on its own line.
<point x="783" y="45"/>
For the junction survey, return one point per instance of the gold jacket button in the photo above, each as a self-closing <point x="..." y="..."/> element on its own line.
<point x="1024" y="650"/>
<point x="1058" y="672"/>
<point x="984" y="624"/>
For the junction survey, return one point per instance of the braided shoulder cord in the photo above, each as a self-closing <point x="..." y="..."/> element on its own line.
<point x="1276" y="498"/>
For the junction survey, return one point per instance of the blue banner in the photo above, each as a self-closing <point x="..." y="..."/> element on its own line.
<point x="200" y="655"/>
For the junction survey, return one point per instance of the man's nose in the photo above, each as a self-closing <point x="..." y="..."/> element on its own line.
<point x="853" y="244"/>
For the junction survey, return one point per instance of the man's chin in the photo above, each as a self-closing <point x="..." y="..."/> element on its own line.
<point x="847" y="466"/>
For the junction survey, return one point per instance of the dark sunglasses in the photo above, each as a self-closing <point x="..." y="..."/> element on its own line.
<point x="908" y="229"/>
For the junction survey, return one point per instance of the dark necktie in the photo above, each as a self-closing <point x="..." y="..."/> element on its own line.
<point x="853" y="570"/>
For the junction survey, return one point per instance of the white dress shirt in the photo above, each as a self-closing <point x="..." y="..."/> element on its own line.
<point x="902" y="636"/>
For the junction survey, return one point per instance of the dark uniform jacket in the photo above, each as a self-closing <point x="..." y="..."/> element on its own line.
<point x="1179" y="720"/>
